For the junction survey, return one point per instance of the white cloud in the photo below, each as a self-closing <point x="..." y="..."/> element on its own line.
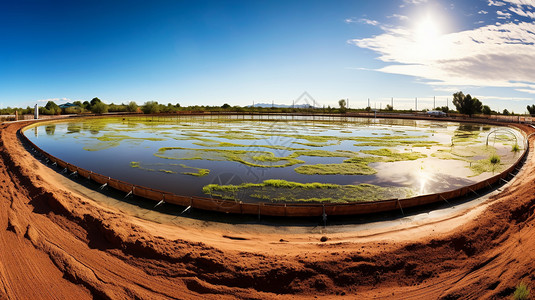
<point x="416" y="2"/>
<point x="523" y="13"/>
<point x="496" y="3"/>
<point x="482" y="12"/>
<point x="503" y="15"/>
<point x="54" y="100"/>
<point x="369" y="22"/>
<point x="399" y="17"/>
<point x="529" y="91"/>
<point x="521" y="2"/>
<point x="505" y="98"/>
<point x="365" y="21"/>
<point x="501" y="55"/>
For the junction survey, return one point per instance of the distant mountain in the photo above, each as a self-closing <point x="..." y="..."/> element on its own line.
<point x="280" y="105"/>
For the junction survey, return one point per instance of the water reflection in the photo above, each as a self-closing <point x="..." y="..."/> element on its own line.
<point x="50" y="129"/>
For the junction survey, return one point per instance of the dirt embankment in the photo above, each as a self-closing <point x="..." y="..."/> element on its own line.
<point x="56" y="243"/>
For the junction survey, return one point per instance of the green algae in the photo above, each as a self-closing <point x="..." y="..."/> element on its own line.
<point x="119" y="138"/>
<point x="491" y="164"/>
<point x="277" y="190"/>
<point x="336" y="169"/>
<point x="465" y="153"/>
<point x="249" y="158"/>
<point x="392" y="156"/>
<point x="199" y="171"/>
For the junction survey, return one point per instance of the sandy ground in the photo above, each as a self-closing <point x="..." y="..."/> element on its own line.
<point x="59" y="240"/>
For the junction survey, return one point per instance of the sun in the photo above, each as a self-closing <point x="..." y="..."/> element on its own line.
<point x="426" y="38"/>
<point x="427" y="30"/>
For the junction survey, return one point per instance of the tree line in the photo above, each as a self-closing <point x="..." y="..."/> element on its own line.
<point x="464" y="104"/>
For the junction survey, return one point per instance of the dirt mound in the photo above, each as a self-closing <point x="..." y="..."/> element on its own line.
<point x="56" y="243"/>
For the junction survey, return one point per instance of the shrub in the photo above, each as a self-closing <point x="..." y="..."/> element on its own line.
<point x="73" y="110"/>
<point x="522" y="292"/>
<point x="151" y="107"/>
<point x="99" y="108"/>
<point x="495" y="159"/>
<point x="131" y="107"/>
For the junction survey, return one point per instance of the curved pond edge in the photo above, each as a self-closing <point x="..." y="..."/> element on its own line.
<point x="279" y="209"/>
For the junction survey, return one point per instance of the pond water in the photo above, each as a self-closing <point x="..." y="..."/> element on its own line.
<point x="278" y="158"/>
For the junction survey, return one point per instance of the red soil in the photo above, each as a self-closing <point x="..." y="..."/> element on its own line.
<point x="57" y="243"/>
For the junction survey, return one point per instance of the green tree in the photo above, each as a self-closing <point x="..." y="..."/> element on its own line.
<point x="151" y="107"/>
<point x="95" y="101"/>
<point x="444" y="109"/>
<point x="389" y="107"/>
<point x="131" y="106"/>
<point x="466" y="104"/>
<point x="531" y="109"/>
<point x="486" y="110"/>
<point x="52" y="108"/>
<point x="505" y="112"/>
<point x="99" y="108"/>
<point x="225" y="106"/>
<point x="342" y="103"/>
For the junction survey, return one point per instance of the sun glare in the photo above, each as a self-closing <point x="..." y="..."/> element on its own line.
<point x="426" y="34"/>
<point x="427" y="30"/>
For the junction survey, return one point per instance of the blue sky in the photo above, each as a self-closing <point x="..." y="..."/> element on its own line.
<point x="237" y="52"/>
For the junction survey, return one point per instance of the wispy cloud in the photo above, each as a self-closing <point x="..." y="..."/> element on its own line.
<point x="414" y="1"/>
<point x="362" y="20"/>
<point x="399" y="17"/>
<point x="523" y="13"/>
<point x="369" y="22"/>
<point x="503" y="15"/>
<point x="482" y="12"/>
<point x="521" y="2"/>
<point x="496" y="3"/>
<point x="500" y="55"/>
<point x="54" y="100"/>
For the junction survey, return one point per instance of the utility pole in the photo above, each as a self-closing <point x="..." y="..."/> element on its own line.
<point x="368" y="102"/>
<point x="416" y="103"/>
<point x="434" y="105"/>
<point x="347" y="100"/>
<point x="392" y="103"/>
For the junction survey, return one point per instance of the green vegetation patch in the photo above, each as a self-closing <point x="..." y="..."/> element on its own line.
<point x="108" y="141"/>
<point x="217" y="144"/>
<point x="336" y="169"/>
<point x="392" y="156"/>
<point x="199" y="172"/>
<point x="522" y="292"/>
<point x="263" y="159"/>
<point x="491" y="164"/>
<point x="465" y="153"/>
<point x="119" y="137"/>
<point x="286" y="191"/>
<point x="357" y="165"/>
<point x="324" y="153"/>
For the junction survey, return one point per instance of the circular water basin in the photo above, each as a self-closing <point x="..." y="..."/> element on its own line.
<point x="283" y="158"/>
